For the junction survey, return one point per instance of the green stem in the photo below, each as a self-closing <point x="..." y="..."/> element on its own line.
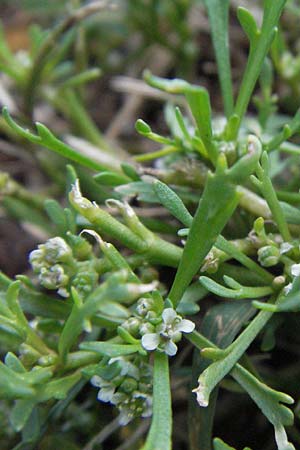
<point x="232" y="250"/>
<point x="158" y="154"/>
<point x="266" y="187"/>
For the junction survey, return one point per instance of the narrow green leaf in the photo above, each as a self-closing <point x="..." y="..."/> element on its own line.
<point x="111" y="350"/>
<point x="220" y="445"/>
<point x="238" y="292"/>
<point x="48" y="140"/>
<point x="218" y="12"/>
<point x="170" y="200"/>
<point x="270" y="403"/>
<point x="260" y="43"/>
<point x="217" y="204"/>
<point x="159" y="437"/>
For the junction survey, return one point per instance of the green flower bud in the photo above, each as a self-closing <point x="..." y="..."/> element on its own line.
<point x="82" y="249"/>
<point x="268" y="255"/>
<point x="54" y="277"/>
<point x="54" y="251"/>
<point x="146" y="328"/>
<point x="144" y="305"/>
<point x="132" y="325"/>
<point x="129" y="385"/>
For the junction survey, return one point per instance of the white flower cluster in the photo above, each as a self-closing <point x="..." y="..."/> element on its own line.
<point x="130" y="390"/>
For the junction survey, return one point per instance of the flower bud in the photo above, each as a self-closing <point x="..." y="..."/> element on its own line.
<point x="129" y="385"/>
<point x="132" y="325"/>
<point x="268" y="255"/>
<point x="144" y="305"/>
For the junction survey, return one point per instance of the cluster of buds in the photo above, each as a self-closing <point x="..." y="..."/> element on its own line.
<point x="127" y="385"/>
<point x="158" y="327"/>
<point x="56" y="264"/>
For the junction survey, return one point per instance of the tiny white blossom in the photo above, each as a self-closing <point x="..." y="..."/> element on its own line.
<point x="295" y="270"/>
<point x="168" y="332"/>
<point x="285" y="247"/>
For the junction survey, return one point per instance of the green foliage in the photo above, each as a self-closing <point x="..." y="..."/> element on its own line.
<point x="112" y="314"/>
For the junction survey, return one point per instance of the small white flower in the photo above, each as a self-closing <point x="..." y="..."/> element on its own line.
<point x="106" y="391"/>
<point x="295" y="270"/>
<point x="285" y="247"/>
<point x="168" y="332"/>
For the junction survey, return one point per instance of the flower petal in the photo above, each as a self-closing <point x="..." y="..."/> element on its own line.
<point x="106" y="394"/>
<point x="295" y="270"/>
<point x="150" y="341"/>
<point x="97" y="381"/>
<point x="169" y="315"/>
<point x="186" y="326"/>
<point x="170" y="348"/>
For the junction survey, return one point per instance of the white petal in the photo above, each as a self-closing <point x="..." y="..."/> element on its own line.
<point x="295" y="270"/>
<point x="285" y="247"/>
<point x="150" y="341"/>
<point x="170" y="348"/>
<point x="169" y="315"/>
<point x="186" y="326"/>
<point x="106" y="394"/>
<point x="97" y="381"/>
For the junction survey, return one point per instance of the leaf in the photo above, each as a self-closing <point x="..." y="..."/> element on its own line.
<point x="220" y="445"/>
<point x="144" y="191"/>
<point x="270" y="403"/>
<point x="248" y="24"/>
<point x="211" y="376"/>
<point x="238" y="290"/>
<point x="217" y="204"/>
<point x="159" y="436"/>
<point x="48" y="140"/>
<point x="199" y="103"/>
<point x="260" y="44"/>
<point x="56" y="215"/>
<point x="170" y="200"/>
<point x="21" y="412"/>
<point x="111" y="179"/>
<point x="221" y="324"/>
<point x="111" y="350"/>
<point x="218" y="12"/>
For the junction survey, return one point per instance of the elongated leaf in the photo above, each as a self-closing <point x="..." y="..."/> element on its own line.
<point x="172" y="202"/>
<point x="221" y="324"/>
<point x="220" y="445"/>
<point x="209" y="379"/>
<point x="111" y="350"/>
<point x="48" y="140"/>
<point x="260" y="43"/>
<point x="159" y="437"/>
<point x="217" y="204"/>
<point x="218" y="12"/>
<point x="270" y="402"/>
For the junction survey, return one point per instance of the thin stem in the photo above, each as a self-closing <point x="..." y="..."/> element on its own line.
<point x="234" y="252"/>
<point x="158" y="154"/>
<point x="103" y="434"/>
<point x="266" y="187"/>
